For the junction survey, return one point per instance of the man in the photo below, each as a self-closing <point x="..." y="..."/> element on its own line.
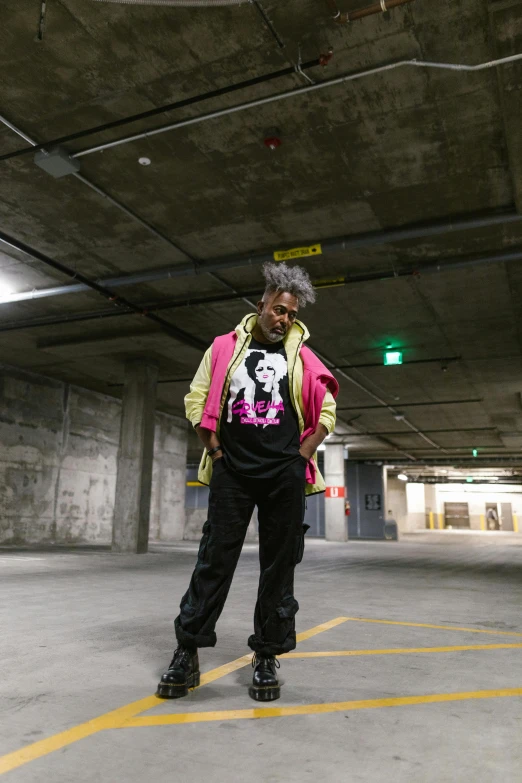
<point x="261" y="403"/>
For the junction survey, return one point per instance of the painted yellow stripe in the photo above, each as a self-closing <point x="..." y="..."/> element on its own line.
<point x="118" y="717"/>
<point x="302" y="637"/>
<point x="402" y="651"/>
<point x="427" y="625"/>
<point x="194" y="484"/>
<point x="110" y="720"/>
<point x="515" y="523"/>
<point x="316" y="709"/>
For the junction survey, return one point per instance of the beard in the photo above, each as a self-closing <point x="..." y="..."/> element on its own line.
<point x="271" y="336"/>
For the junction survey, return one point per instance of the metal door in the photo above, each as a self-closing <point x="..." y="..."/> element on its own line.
<point x="456" y="514"/>
<point x="506" y="516"/>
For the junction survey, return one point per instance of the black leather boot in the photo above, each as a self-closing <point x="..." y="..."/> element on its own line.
<point x="182" y="674"/>
<point x="265" y="685"/>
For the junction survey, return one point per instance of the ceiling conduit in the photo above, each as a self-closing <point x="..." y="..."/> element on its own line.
<point x="321" y="61"/>
<point x="338" y="244"/>
<point x="296" y="92"/>
<point x="179" y="3"/>
<point x="351" y="16"/>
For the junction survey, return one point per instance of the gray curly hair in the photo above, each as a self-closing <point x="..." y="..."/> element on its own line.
<point x="291" y="279"/>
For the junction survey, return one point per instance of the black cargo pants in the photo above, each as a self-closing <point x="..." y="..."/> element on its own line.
<point x="281" y="506"/>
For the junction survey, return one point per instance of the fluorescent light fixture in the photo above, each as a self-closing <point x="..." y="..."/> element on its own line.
<point x="492" y="478"/>
<point x="402" y="477"/>
<point x="5" y="292"/>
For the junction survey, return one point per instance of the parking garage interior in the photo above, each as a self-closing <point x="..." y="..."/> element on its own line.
<point x="154" y="154"/>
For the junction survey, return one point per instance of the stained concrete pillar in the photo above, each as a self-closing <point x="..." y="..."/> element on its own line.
<point x="135" y="457"/>
<point x="336" y="528"/>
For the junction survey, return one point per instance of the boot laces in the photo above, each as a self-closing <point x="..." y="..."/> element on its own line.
<point x="181" y="654"/>
<point x="270" y="661"/>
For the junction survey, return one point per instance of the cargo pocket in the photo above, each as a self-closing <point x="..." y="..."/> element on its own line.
<point x="204" y="542"/>
<point x="288" y="608"/>
<point x="301" y="543"/>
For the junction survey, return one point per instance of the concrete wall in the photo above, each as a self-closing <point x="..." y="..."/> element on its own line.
<point x="396" y="506"/>
<point x="58" y="450"/>
<point x="410" y="503"/>
<point x="478" y="496"/>
<point x="167" y="505"/>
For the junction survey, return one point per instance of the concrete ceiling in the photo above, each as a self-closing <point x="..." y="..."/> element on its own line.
<point x="391" y="150"/>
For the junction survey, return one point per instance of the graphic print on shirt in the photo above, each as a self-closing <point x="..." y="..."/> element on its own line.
<point x="259" y="377"/>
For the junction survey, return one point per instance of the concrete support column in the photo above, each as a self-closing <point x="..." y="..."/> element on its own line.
<point x="135" y="456"/>
<point x="336" y="528"/>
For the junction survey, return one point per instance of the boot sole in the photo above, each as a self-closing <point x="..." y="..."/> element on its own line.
<point x="174" y="691"/>
<point x="268" y="693"/>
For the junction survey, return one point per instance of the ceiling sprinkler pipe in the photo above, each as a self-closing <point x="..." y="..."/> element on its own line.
<point x="179" y="3"/>
<point x="282" y="96"/>
<point x="377" y="8"/>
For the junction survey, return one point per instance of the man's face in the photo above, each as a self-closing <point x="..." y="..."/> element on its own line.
<point x="276" y="315"/>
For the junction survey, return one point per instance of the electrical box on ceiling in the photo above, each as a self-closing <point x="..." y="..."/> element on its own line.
<point x="57" y="162"/>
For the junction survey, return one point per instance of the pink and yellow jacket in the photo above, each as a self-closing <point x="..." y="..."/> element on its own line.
<point x="312" y="389"/>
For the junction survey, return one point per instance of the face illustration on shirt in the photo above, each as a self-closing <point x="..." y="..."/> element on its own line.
<point x="259" y="369"/>
<point x="265" y="374"/>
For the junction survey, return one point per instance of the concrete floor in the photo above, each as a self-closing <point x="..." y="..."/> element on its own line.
<point x="86" y="632"/>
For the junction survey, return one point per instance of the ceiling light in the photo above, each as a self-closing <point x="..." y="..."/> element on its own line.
<point x="402" y="477"/>
<point x="492" y="478"/>
<point x="5" y="292"/>
<point x="443" y="471"/>
<point x="144" y="161"/>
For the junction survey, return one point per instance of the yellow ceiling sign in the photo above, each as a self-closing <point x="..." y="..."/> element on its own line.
<point x="298" y="252"/>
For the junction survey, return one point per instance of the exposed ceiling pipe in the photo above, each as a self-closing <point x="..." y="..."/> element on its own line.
<point x="172" y="304"/>
<point x="470" y="463"/>
<point x="337" y="244"/>
<point x="351" y="16"/>
<point x="180" y="3"/>
<point x="291" y="94"/>
<point x="107" y="293"/>
<point x="110" y="199"/>
<point x="128" y="307"/>
<point x="320" y="61"/>
<point x="414" y="404"/>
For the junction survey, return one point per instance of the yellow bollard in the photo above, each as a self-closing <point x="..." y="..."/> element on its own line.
<point x="482" y="522"/>
<point x="441" y="521"/>
<point x="515" y="523"/>
<point x="432" y="526"/>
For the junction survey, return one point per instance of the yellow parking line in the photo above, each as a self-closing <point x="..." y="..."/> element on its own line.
<point x="402" y="651"/>
<point x="117" y="718"/>
<point x="301" y="637"/>
<point x="427" y="625"/>
<point x="110" y="720"/>
<point x="315" y="709"/>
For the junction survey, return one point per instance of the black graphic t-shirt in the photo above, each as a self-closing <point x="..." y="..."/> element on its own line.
<point x="259" y="426"/>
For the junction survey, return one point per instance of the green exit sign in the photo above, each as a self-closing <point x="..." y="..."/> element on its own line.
<point x="392" y="357"/>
